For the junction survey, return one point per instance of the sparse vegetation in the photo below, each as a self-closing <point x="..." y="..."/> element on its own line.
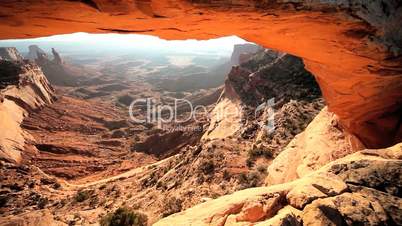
<point x="226" y="175"/>
<point x="262" y="169"/>
<point x="260" y="152"/>
<point x="94" y="201"/>
<point x="82" y="195"/>
<point x="250" y="162"/>
<point x="124" y="217"/>
<point x="207" y="167"/>
<point x="173" y="205"/>
<point x="151" y="180"/>
<point x="56" y="185"/>
<point x="42" y="202"/>
<point x="3" y="200"/>
<point x="249" y="180"/>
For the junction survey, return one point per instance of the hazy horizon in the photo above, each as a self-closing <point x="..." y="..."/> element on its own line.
<point x="77" y="43"/>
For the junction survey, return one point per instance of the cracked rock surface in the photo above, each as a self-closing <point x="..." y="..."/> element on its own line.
<point x="360" y="189"/>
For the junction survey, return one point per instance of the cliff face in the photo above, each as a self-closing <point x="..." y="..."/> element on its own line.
<point x="267" y="76"/>
<point x="10" y="53"/>
<point x="352" y="47"/>
<point x="23" y="89"/>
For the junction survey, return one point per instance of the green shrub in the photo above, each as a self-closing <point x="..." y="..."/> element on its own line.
<point x="82" y="195"/>
<point x="124" y="217"/>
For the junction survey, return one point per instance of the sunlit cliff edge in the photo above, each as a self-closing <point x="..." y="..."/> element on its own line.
<point x="24" y="89"/>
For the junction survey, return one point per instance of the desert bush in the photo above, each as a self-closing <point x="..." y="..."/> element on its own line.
<point x="262" y="169"/>
<point x="42" y="202"/>
<point x="253" y="179"/>
<point x="4" y="200"/>
<point x="250" y="162"/>
<point x="226" y="175"/>
<point x="124" y="217"/>
<point x="173" y="205"/>
<point x="56" y="185"/>
<point x="249" y="180"/>
<point x="82" y="195"/>
<point x="94" y="201"/>
<point x="260" y="152"/>
<point x="207" y="167"/>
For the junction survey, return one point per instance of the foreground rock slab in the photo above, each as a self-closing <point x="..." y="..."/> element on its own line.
<point x="361" y="188"/>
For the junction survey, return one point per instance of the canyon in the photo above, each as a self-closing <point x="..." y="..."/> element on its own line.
<point x="366" y="47"/>
<point x="334" y="69"/>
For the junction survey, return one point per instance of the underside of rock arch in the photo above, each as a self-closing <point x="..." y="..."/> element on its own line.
<point x="353" y="48"/>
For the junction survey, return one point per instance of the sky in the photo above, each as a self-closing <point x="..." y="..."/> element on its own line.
<point x="124" y="43"/>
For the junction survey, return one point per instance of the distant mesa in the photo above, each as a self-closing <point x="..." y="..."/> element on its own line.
<point x="215" y="77"/>
<point x="34" y="51"/>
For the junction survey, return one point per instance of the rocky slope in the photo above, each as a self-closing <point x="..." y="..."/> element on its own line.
<point x="242" y="111"/>
<point x="23" y="89"/>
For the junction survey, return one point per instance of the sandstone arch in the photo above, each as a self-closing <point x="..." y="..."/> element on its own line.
<point x="353" y="49"/>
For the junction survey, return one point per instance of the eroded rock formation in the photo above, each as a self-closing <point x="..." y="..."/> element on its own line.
<point x="10" y="53"/>
<point x="54" y="69"/>
<point x="353" y="48"/>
